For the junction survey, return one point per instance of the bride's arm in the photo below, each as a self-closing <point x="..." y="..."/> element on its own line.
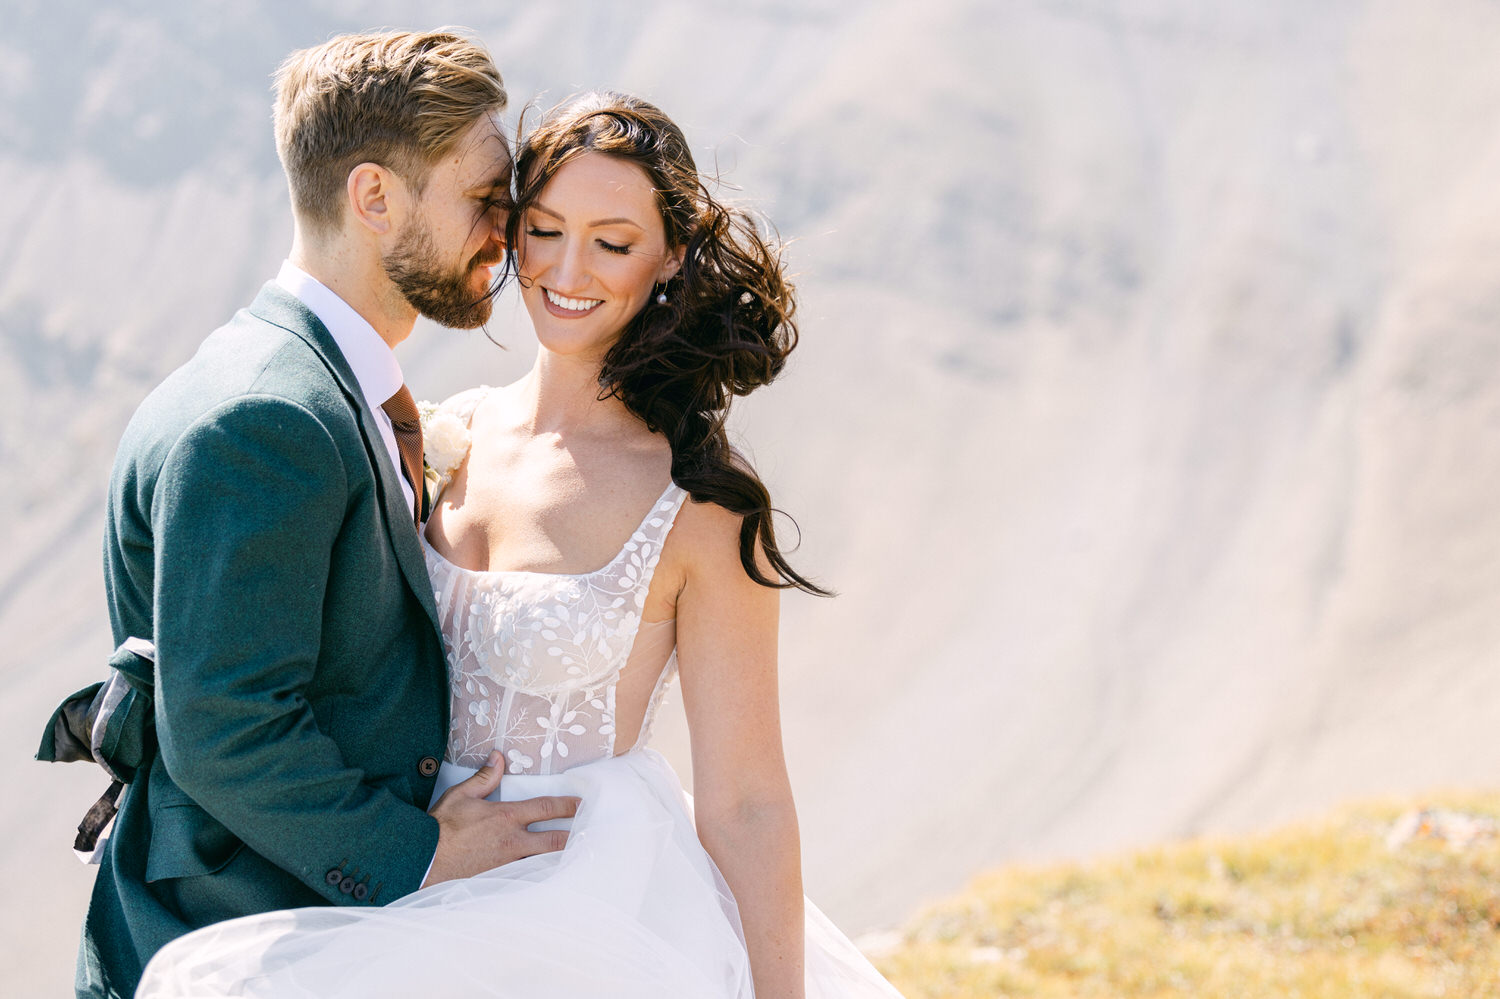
<point x="726" y="650"/>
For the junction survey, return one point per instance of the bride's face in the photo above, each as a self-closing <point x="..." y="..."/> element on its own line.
<point x="592" y="250"/>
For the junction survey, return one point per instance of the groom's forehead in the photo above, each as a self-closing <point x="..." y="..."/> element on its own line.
<point x="483" y="155"/>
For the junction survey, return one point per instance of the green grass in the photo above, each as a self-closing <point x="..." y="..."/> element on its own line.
<point x="1324" y="910"/>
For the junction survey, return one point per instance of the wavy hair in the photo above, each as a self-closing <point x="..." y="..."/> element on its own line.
<point x="397" y="98"/>
<point x="725" y="329"/>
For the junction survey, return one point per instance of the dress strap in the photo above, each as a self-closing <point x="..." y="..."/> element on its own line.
<point x="466" y="402"/>
<point x="664" y="514"/>
<point x="643" y="550"/>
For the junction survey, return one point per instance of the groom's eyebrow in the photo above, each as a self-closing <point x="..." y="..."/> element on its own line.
<point x="489" y="191"/>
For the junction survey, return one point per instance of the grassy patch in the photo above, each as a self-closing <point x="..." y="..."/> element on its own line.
<point x="1329" y="910"/>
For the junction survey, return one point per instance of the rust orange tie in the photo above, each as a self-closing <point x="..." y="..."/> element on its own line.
<point x="407" y="424"/>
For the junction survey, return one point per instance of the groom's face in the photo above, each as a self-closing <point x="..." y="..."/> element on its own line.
<point x="442" y="256"/>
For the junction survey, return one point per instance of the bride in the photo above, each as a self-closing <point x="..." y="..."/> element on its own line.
<point x="594" y="536"/>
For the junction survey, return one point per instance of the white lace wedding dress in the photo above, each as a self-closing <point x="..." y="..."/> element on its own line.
<point x="632" y="907"/>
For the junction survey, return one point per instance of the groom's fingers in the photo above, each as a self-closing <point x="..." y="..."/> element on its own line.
<point x="548" y="840"/>
<point x="484" y="781"/>
<point x="541" y="809"/>
<point x="519" y="815"/>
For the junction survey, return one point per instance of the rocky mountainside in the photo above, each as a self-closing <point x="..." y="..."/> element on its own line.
<point x="1147" y="415"/>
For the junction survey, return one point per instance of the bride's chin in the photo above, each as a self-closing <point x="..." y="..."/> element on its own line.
<point x="575" y="347"/>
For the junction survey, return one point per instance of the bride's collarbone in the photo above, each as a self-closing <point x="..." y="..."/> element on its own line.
<point x="569" y="467"/>
<point x="566" y="525"/>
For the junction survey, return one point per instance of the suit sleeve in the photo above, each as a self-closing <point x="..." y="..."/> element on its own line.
<point x="245" y="514"/>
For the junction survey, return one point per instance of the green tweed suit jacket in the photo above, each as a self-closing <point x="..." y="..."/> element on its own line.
<point x="257" y="531"/>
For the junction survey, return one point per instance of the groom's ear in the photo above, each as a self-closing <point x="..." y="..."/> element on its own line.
<point x="371" y="190"/>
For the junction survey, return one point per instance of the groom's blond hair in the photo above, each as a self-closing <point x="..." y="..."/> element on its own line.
<point x="398" y="98"/>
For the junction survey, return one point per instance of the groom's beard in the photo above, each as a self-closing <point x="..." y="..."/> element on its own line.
<point x="443" y="295"/>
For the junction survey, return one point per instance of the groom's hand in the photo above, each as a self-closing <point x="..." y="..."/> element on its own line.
<point x="475" y="835"/>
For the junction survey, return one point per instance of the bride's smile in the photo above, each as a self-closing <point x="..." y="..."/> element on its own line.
<point x="565" y="306"/>
<point x="592" y="249"/>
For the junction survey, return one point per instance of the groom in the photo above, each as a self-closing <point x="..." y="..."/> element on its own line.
<point x="261" y="532"/>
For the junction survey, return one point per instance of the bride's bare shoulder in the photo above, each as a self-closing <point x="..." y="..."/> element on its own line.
<point x="486" y="399"/>
<point x="463" y="404"/>
<point x="706" y="539"/>
<point x="707" y="524"/>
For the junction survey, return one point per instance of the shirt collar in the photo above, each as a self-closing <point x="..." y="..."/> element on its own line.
<point x="370" y="358"/>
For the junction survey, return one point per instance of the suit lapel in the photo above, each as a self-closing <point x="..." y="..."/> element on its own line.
<point x="281" y="308"/>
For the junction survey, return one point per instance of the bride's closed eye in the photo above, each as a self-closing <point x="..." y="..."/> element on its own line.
<point x="614" y="247"/>
<point x="532" y="230"/>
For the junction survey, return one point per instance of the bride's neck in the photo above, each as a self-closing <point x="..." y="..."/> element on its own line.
<point x="560" y="395"/>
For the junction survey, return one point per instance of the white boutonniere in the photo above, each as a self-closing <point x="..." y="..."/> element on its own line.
<point x="445" y="441"/>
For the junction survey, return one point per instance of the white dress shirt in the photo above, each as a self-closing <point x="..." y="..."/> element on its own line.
<point x="370" y="358"/>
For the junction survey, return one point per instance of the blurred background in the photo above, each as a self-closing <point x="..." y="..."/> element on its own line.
<point x="1147" y="413"/>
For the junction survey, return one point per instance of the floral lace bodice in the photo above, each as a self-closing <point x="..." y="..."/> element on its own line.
<point x="534" y="658"/>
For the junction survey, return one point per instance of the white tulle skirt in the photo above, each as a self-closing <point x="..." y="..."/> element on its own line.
<point x="632" y="907"/>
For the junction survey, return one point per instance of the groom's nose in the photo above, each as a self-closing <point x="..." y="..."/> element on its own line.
<point x="499" y="218"/>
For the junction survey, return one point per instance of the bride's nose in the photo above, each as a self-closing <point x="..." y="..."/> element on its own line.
<point x="569" y="270"/>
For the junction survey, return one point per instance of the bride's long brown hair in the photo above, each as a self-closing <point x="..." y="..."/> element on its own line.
<point x="725" y="329"/>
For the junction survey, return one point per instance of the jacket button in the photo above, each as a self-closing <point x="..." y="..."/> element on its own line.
<point x="361" y="892"/>
<point x="334" y="876"/>
<point x="427" y="766"/>
<point x="346" y="886"/>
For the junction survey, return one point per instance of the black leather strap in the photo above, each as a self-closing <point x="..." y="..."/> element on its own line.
<point x="99" y="816"/>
